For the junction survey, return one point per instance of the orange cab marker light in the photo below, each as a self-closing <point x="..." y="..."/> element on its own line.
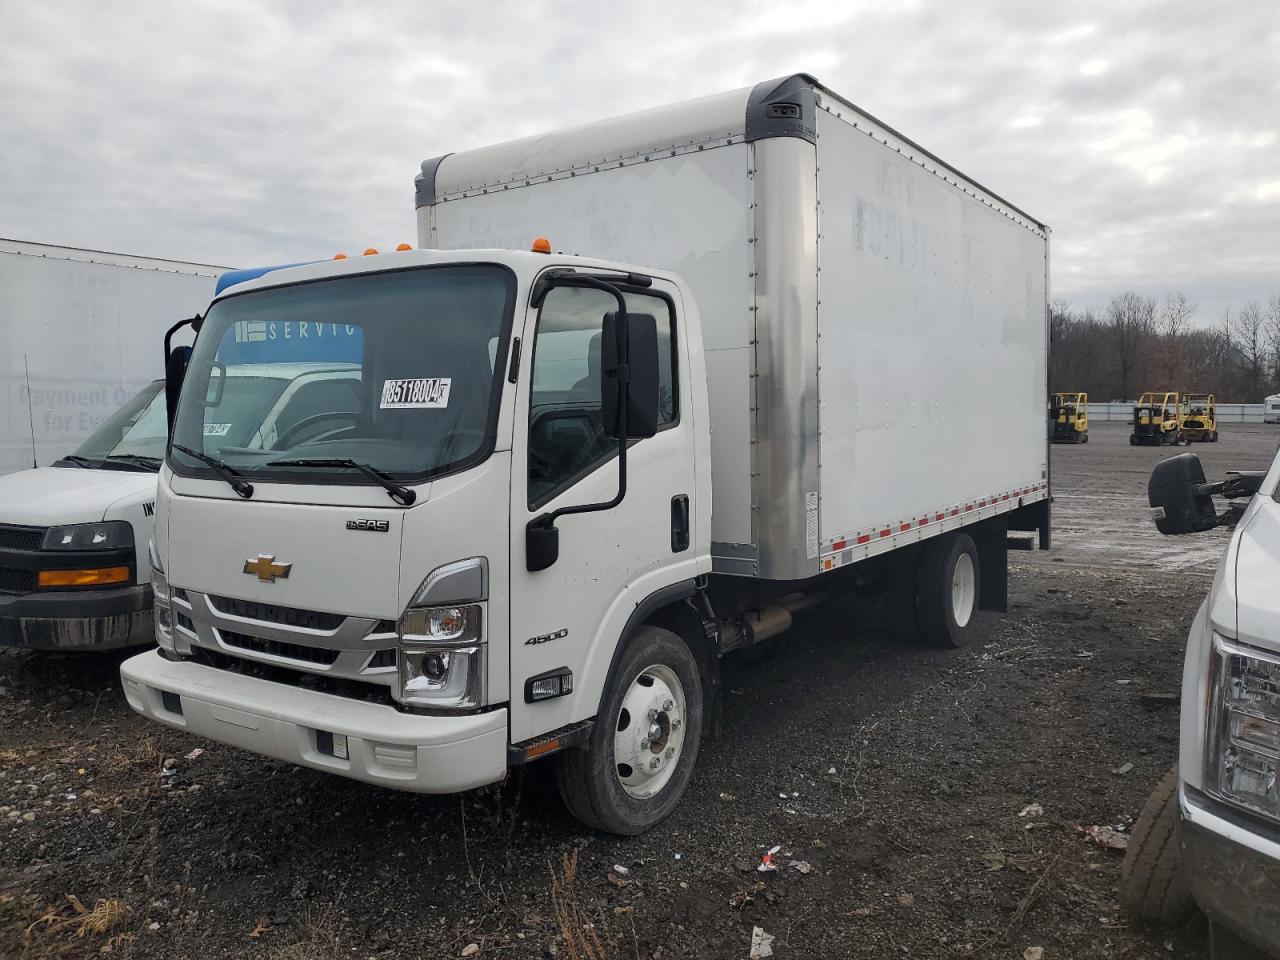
<point x="541" y="749"/>
<point x="541" y="245"/>
<point x="339" y="256"/>
<point x="401" y="247"/>
<point x="82" y="578"/>
<point x="370" y="252"/>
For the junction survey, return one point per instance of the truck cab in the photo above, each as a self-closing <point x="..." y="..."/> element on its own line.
<point x="378" y="576"/>
<point x="1157" y="420"/>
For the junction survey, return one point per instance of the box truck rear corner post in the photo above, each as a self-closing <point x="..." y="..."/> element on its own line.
<point x="736" y="379"/>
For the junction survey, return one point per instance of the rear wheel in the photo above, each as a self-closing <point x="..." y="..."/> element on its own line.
<point x="1152" y="887"/>
<point x="1085" y="437"/>
<point x="947" y="590"/>
<point x="634" y="768"/>
<point x="1133" y="441"/>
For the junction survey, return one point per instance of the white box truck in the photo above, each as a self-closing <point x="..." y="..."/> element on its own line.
<point x="786" y="354"/>
<point x="82" y="434"/>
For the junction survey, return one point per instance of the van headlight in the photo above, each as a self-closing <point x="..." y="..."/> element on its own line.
<point x="1244" y="727"/>
<point x="443" y="657"/>
<point x="162" y="600"/>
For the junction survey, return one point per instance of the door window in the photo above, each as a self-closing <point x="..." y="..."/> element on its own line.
<point x="566" y="428"/>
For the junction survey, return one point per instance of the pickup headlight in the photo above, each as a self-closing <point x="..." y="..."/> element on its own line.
<point x="442" y="657"/>
<point x="1244" y="727"/>
<point x="163" y="606"/>
<point x="108" y="535"/>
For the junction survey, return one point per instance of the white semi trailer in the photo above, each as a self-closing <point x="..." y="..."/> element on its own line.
<point x="786" y="353"/>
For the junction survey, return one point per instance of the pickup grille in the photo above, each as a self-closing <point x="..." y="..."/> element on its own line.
<point x="13" y="537"/>
<point x="274" y="648"/>
<point x="17" y="581"/>
<point x="271" y="613"/>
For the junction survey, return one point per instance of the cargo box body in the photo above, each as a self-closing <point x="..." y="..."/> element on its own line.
<point x="874" y="323"/>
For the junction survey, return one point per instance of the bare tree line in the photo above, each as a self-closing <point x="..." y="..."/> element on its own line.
<point x="1140" y="343"/>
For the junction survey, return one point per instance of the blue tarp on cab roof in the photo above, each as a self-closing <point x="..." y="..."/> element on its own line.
<point x="232" y="277"/>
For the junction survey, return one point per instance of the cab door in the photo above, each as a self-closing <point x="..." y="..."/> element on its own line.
<point x="570" y="615"/>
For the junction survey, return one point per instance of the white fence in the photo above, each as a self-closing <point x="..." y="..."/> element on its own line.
<point x="1227" y="412"/>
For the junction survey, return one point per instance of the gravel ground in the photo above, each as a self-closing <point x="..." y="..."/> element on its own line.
<point x="926" y="803"/>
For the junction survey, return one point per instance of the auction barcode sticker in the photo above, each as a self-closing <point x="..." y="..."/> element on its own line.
<point x="421" y="393"/>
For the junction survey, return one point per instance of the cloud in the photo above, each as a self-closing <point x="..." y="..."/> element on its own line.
<point x="234" y="132"/>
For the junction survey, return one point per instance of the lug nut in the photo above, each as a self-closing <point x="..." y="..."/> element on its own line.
<point x="653" y="714"/>
<point x="670" y="751"/>
<point x="644" y="744"/>
<point x="675" y="724"/>
<point x="666" y="704"/>
<point x="653" y="764"/>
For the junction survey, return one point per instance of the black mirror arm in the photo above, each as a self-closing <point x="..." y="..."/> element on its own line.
<point x="192" y="322"/>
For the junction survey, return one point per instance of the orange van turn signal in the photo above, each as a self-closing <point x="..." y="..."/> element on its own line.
<point x="82" y="578"/>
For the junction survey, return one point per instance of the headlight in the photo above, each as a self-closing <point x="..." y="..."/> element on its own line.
<point x="1244" y="727"/>
<point x="442" y="657"/>
<point x="163" y="607"/>
<point x="108" y="535"/>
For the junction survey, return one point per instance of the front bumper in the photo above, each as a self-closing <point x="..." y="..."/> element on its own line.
<point x="77" y="619"/>
<point x="435" y="754"/>
<point x="1233" y="868"/>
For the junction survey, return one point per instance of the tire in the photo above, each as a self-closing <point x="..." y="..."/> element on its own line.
<point x="1153" y="889"/>
<point x="628" y="799"/>
<point x="1133" y="441"/>
<point x="1215" y="437"/>
<point x="948" y="585"/>
<point x="1085" y="437"/>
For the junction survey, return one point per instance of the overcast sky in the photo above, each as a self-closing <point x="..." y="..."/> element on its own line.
<point x="1147" y="134"/>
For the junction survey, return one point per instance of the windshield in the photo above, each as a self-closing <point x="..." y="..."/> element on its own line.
<point x="137" y="429"/>
<point x="397" y="370"/>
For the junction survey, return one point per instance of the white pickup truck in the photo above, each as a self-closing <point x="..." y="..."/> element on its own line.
<point x="1210" y="834"/>
<point x="573" y="482"/>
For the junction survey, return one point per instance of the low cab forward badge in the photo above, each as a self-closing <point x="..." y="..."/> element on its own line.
<point x="266" y="568"/>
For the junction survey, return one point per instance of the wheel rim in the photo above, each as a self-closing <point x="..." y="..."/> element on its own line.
<point x="964" y="588"/>
<point x="649" y="732"/>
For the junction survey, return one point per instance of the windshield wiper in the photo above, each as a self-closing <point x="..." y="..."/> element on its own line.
<point x="80" y="461"/>
<point x="137" y="459"/>
<point x="238" y="484"/>
<point x="397" y="492"/>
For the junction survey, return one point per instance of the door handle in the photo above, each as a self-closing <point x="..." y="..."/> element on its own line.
<point x="679" y="523"/>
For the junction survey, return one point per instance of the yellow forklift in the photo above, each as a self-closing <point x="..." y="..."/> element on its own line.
<point x="1200" y="418"/>
<point x="1157" y="420"/>
<point x="1069" y="418"/>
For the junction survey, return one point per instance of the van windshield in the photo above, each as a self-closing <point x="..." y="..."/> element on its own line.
<point x="132" y="438"/>
<point x="400" y="371"/>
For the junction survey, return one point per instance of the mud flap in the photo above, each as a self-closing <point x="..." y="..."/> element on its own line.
<point x="992" y="540"/>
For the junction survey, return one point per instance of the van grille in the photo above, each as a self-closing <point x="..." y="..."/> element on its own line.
<point x="13" y="537"/>
<point x="274" y="648"/>
<point x="17" y="581"/>
<point x="271" y="613"/>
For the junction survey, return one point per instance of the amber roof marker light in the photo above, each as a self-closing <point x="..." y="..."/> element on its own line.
<point x="541" y="245"/>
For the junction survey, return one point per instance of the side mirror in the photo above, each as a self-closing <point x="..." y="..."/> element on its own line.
<point x="642" y="364"/>
<point x="175" y="371"/>
<point x="541" y="543"/>
<point x="1181" y="501"/>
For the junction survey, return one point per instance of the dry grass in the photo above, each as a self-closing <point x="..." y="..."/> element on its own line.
<point x="583" y="939"/>
<point x="106" y="916"/>
<point x="126" y="757"/>
<point x="320" y="940"/>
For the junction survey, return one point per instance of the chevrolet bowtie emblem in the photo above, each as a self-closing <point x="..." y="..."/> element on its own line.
<point x="267" y="569"/>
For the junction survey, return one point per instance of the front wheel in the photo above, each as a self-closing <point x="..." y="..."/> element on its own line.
<point x="1152" y="887"/>
<point x="634" y="768"/>
<point x="1133" y="441"/>
<point x="1085" y="438"/>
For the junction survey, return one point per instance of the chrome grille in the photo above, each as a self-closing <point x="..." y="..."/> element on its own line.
<point x="271" y="613"/>
<point x="274" y="648"/>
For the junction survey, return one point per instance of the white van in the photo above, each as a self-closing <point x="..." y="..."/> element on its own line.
<point x="72" y="534"/>
<point x="1271" y="409"/>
